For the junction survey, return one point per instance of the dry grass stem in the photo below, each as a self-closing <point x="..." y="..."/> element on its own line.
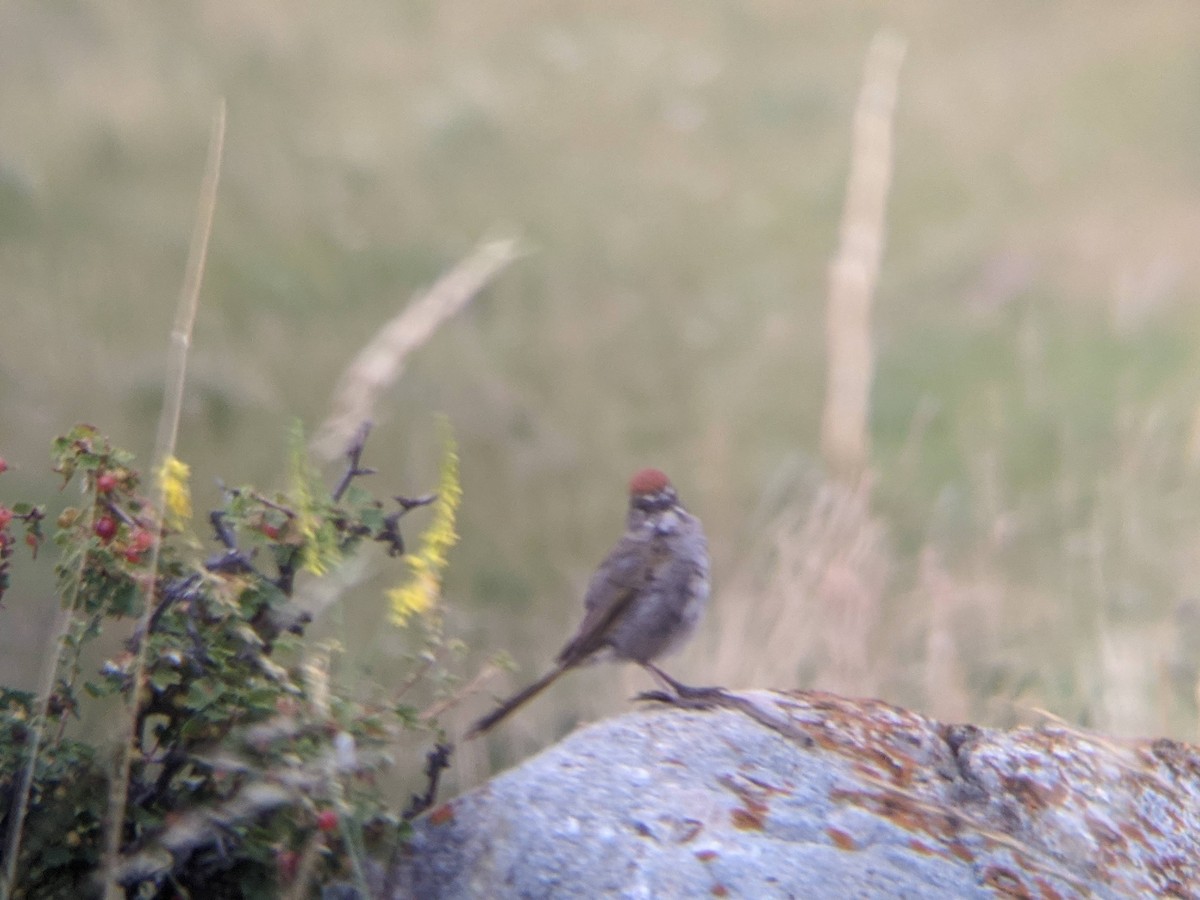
<point x="168" y="431"/>
<point x="945" y="679"/>
<point x="381" y="361"/>
<point x="470" y="689"/>
<point x="816" y="589"/>
<point x="855" y="271"/>
<point x="849" y="593"/>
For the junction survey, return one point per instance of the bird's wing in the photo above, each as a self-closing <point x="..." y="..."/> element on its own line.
<point x="626" y="572"/>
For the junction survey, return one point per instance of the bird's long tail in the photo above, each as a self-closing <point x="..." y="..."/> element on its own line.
<point x="514" y="702"/>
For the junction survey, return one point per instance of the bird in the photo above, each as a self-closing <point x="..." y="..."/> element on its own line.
<point x="644" y="600"/>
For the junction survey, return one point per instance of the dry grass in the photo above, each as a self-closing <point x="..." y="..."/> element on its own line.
<point x="854" y="273"/>
<point x="168" y="436"/>
<point x="1032" y="425"/>
<point x="809" y="601"/>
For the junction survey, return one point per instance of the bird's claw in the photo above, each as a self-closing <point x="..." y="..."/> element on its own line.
<point x="686" y="697"/>
<point x="655" y="697"/>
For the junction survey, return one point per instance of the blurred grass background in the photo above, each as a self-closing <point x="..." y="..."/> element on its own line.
<point x="1029" y="536"/>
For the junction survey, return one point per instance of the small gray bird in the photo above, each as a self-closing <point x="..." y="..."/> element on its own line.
<point x="645" y="599"/>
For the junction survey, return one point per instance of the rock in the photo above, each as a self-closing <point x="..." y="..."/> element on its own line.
<point x="813" y="795"/>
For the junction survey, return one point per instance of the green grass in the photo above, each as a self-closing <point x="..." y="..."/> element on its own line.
<point x="679" y="173"/>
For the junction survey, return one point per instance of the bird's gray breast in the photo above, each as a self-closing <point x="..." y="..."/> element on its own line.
<point x="668" y="605"/>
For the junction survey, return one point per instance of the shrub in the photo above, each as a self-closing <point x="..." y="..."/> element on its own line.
<point x="247" y="772"/>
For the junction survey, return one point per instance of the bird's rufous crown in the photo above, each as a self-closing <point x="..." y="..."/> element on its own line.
<point x="648" y="481"/>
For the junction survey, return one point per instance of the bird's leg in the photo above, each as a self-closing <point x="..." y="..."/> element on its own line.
<point x="680" y="694"/>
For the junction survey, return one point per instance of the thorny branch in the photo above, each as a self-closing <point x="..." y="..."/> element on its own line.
<point x="390" y="533"/>
<point x="436" y="762"/>
<point x="354" y="453"/>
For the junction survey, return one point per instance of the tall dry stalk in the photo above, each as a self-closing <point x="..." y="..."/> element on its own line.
<point x="812" y="600"/>
<point x="168" y="431"/>
<point x="855" y="271"/>
<point x="381" y="361"/>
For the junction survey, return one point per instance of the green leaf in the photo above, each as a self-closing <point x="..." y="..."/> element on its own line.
<point x="201" y="693"/>
<point x="372" y="517"/>
<point x="356" y="496"/>
<point x="165" y="678"/>
<point x="126" y="599"/>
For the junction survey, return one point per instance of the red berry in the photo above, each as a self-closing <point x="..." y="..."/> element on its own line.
<point x="270" y="531"/>
<point x="105" y="528"/>
<point x="132" y="556"/>
<point x="327" y="820"/>
<point x="3" y="465"/>
<point x="105" y="482"/>
<point x="141" y="541"/>
<point x="5" y="516"/>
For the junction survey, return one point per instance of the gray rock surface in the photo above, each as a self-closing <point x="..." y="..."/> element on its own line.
<point x="812" y="795"/>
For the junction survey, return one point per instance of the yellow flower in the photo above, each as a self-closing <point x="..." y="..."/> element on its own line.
<point x="320" y="550"/>
<point x="420" y="593"/>
<point x="173" y="477"/>
<point x="413" y="598"/>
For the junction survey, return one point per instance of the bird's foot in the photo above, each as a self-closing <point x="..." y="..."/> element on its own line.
<point x="654" y="697"/>
<point x="686" y="697"/>
<point x="679" y="694"/>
